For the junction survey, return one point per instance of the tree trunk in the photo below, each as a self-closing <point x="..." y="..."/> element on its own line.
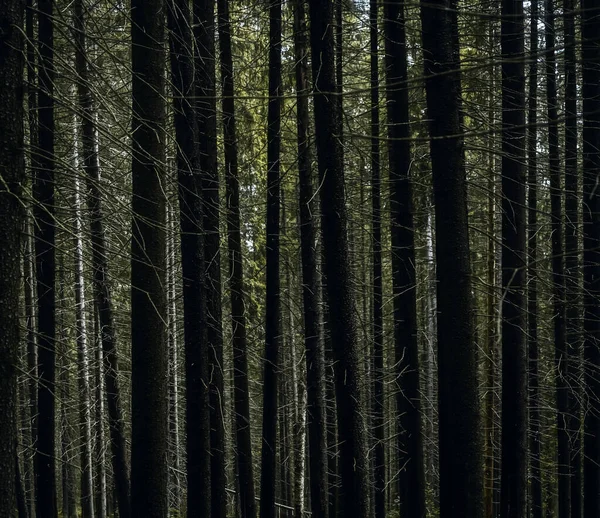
<point x="12" y="219"/>
<point x="45" y="268"/>
<point x="100" y="431"/>
<point x="532" y="296"/>
<point x="460" y="442"/>
<point x="241" y="397"/>
<point x="149" y="363"/>
<point x="590" y="28"/>
<point x="513" y="493"/>
<point x="411" y="479"/>
<point x="344" y="333"/>
<point x="377" y="399"/>
<point x="313" y="340"/>
<point x="273" y="302"/>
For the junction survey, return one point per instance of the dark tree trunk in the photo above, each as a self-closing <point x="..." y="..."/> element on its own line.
<point x="12" y="220"/>
<point x="558" y="288"/>
<point x="241" y="396"/>
<point x="590" y="28"/>
<point x="344" y="333"/>
<point x="460" y="447"/>
<point x="45" y="268"/>
<point x="149" y="363"/>
<point x="192" y="257"/>
<point x="206" y="114"/>
<point x="411" y="479"/>
<point x="572" y="258"/>
<point x="377" y="397"/>
<point x="99" y="260"/>
<point x="313" y="339"/>
<point x="273" y="302"/>
<point x="536" y="504"/>
<point x="513" y="493"/>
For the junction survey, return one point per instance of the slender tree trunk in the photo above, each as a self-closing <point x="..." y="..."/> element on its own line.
<point x="532" y="295"/>
<point x="513" y="495"/>
<point x="12" y="219"/>
<point x="45" y="268"/>
<point x="590" y="28"/>
<point x="149" y="376"/>
<point x="313" y="340"/>
<point x="411" y="479"/>
<point x="558" y="292"/>
<point x="241" y="396"/>
<point x="344" y="332"/>
<point x="377" y="399"/>
<point x="193" y="258"/>
<point x="99" y="426"/>
<point x="273" y="302"/>
<point x="206" y="113"/>
<point x="102" y="293"/>
<point x="460" y="443"/>
<point x="572" y="258"/>
<point x="83" y="378"/>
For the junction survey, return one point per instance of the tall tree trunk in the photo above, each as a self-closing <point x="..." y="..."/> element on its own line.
<point x="532" y="269"/>
<point x="572" y="257"/>
<point x="460" y="443"/>
<point x="149" y="363"/>
<point x="558" y="291"/>
<point x="206" y="113"/>
<point x="99" y="259"/>
<point x="377" y="399"/>
<point x="273" y="302"/>
<point x="411" y="479"/>
<point x="83" y="377"/>
<point x="193" y="258"/>
<point x="241" y="397"/>
<point x="513" y="493"/>
<point x="344" y="332"/>
<point x="45" y="268"/>
<point x="12" y="219"/>
<point x="590" y="28"/>
<point x="313" y="340"/>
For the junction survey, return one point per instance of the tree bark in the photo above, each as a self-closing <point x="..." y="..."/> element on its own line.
<point x="513" y="493"/>
<point x="149" y="376"/>
<point x="590" y="28"/>
<point x="273" y="300"/>
<point x="460" y="443"/>
<point x="45" y="268"/>
<point x="411" y="479"/>
<point x="344" y="334"/>
<point x="12" y="219"/>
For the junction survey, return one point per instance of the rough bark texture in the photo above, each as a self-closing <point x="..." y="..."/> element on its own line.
<point x="344" y="335"/>
<point x="45" y="268"/>
<point x="411" y="479"/>
<point x="12" y="219"/>
<point x="241" y="396"/>
<point x="460" y="445"/>
<point x="149" y="363"/>
<point x="513" y="493"/>
<point x="273" y="302"/>
<point x="590" y="28"/>
<point x="313" y="340"/>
